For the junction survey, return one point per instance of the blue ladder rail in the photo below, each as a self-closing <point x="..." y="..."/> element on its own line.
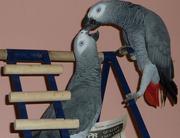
<point x="41" y="56"/>
<point x="110" y="60"/>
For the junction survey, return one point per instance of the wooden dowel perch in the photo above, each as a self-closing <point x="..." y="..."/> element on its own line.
<point x="47" y="96"/>
<point x="32" y="69"/>
<point x="45" y="124"/>
<point x="61" y="56"/>
<point x="57" y="56"/>
<point x="3" y="54"/>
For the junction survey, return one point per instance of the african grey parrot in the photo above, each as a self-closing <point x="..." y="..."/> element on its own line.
<point x="85" y="88"/>
<point x="145" y="32"/>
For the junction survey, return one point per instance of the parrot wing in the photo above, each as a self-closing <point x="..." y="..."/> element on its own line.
<point x="159" y="54"/>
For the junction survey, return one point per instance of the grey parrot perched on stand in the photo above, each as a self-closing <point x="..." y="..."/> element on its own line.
<point x="146" y="33"/>
<point x="85" y="88"/>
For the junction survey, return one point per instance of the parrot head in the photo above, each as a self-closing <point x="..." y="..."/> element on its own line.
<point x="85" y="43"/>
<point x="106" y="13"/>
<point x="94" y="17"/>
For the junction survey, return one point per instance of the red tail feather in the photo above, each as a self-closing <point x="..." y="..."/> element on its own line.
<point x="152" y="94"/>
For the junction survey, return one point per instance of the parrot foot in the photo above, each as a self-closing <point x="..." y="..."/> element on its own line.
<point x="122" y="51"/>
<point x="126" y="50"/>
<point x="132" y="57"/>
<point x="131" y="96"/>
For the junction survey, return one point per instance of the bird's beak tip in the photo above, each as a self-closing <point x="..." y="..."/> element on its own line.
<point x="89" y="24"/>
<point x="95" y="35"/>
<point x="84" y="23"/>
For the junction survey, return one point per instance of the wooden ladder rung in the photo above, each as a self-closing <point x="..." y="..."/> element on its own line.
<point x="43" y="96"/>
<point x="32" y="69"/>
<point x="45" y="124"/>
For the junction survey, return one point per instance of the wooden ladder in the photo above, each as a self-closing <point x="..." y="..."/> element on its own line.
<point x="109" y="61"/>
<point x="19" y="98"/>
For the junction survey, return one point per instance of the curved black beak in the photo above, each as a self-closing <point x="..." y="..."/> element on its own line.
<point x="95" y="35"/>
<point x="89" y="23"/>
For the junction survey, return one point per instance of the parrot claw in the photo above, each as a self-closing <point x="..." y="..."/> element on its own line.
<point x="129" y="97"/>
<point x="133" y="57"/>
<point x="124" y="50"/>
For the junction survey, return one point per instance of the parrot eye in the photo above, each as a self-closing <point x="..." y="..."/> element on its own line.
<point x="98" y="10"/>
<point x="81" y="43"/>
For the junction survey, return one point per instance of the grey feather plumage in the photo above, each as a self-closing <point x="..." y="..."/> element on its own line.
<point x="85" y="88"/>
<point x="144" y="31"/>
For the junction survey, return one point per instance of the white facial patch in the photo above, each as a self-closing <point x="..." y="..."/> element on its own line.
<point x="82" y="44"/>
<point x="82" y="41"/>
<point x="97" y="11"/>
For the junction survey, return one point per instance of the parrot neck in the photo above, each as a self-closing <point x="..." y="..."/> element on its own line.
<point x="116" y="16"/>
<point x="87" y="66"/>
<point x="127" y="15"/>
<point x="88" y="70"/>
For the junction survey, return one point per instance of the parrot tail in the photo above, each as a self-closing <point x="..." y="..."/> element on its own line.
<point x="151" y="94"/>
<point x="170" y="90"/>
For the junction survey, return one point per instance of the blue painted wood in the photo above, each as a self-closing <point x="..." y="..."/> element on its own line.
<point x="16" y="86"/>
<point x="104" y="78"/>
<point x="27" y="55"/>
<point x="136" y="116"/>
